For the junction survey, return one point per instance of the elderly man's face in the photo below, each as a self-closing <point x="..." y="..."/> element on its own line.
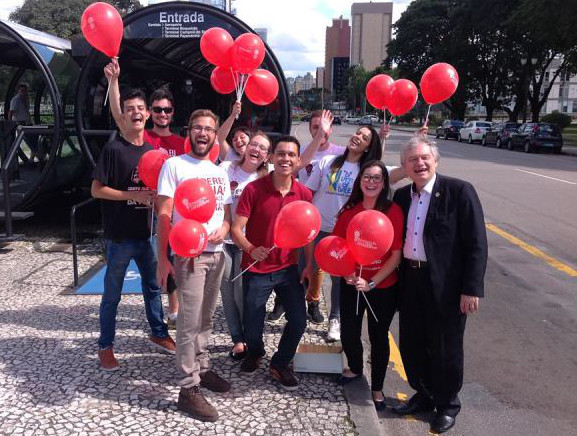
<point x="420" y="164"/>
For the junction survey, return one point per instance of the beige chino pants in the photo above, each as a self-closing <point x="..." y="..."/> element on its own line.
<point x="198" y="283"/>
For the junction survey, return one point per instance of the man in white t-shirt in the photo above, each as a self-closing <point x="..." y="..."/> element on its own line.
<point x="20" y="107"/>
<point x="198" y="279"/>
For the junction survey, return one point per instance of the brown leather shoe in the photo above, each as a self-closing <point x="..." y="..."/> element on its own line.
<point x="213" y="382"/>
<point x="193" y="403"/>
<point x="164" y="344"/>
<point x="107" y="360"/>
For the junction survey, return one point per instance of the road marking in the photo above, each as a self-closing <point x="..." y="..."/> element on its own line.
<point x="534" y="251"/>
<point x="395" y="357"/>
<point x="546" y="177"/>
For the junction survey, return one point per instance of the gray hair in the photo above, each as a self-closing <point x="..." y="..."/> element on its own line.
<point x="414" y="142"/>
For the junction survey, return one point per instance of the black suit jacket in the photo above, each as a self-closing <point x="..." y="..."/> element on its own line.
<point x="455" y="240"/>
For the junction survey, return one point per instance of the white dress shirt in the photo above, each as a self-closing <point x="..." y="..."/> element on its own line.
<point x="414" y="248"/>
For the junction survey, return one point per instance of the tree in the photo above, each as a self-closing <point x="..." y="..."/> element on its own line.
<point x="61" y="18"/>
<point x="357" y="78"/>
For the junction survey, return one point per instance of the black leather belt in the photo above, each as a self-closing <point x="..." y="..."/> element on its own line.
<point x="417" y="264"/>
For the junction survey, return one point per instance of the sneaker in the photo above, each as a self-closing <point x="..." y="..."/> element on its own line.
<point x="107" y="360"/>
<point x="171" y="321"/>
<point x="334" y="333"/>
<point x="286" y="378"/>
<point x="250" y="363"/>
<point x="276" y="313"/>
<point x="213" y="382"/>
<point x="314" y="314"/>
<point x="164" y="344"/>
<point x="192" y="402"/>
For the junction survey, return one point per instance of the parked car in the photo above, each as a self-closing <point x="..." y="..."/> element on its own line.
<point x="449" y="129"/>
<point x="366" y="120"/>
<point x="337" y="120"/>
<point x="499" y="134"/>
<point x="374" y="118"/>
<point x="535" y="136"/>
<point x="306" y="118"/>
<point x="473" y="131"/>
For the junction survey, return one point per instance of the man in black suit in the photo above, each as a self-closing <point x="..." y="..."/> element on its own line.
<point x="443" y="268"/>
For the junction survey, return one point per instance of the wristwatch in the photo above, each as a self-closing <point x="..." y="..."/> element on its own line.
<point x="372" y="285"/>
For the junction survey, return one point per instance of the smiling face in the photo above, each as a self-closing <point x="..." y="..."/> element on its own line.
<point x="239" y="142"/>
<point x="202" y="135"/>
<point x="162" y="113"/>
<point x="285" y="158"/>
<point x="372" y="182"/>
<point x="135" y="113"/>
<point x="360" y="141"/>
<point x="257" y="150"/>
<point x="420" y="164"/>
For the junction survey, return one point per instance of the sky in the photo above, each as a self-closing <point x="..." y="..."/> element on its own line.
<point x="296" y="28"/>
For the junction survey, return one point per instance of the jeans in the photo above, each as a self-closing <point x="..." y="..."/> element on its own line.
<point x="257" y="289"/>
<point x="231" y="292"/>
<point x="118" y="255"/>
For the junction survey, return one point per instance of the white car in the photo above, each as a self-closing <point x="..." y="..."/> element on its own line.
<point x="473" y="131"/>
<point x="351" y="119"/>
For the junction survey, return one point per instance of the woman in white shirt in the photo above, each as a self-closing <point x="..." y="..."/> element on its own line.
<point x="252" y="165"/>
<point x="332" y="182"/>
<point x="240" y="136"/>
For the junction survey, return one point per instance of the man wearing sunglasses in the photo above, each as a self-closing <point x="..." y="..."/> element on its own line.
<point x="162" y="114"/>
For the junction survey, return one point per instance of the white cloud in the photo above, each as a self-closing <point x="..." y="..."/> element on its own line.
<point x="8" y="6"/>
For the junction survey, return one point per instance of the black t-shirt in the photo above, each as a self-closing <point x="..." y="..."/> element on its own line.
<point x="117" y="169"/>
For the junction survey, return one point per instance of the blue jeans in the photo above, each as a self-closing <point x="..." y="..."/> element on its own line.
<point x="257" y="289"/>
<point x="118" y="255"/>
<point x="231" y="292"/>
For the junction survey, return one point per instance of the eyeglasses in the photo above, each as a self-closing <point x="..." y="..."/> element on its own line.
<point x="198" y="129"/>
<point x="160" y="109"/>
<point x="376" y="178"/>
<point x="261" y="147"/>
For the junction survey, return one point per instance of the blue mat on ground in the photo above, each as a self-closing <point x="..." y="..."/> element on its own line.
<point x="95" y="285"/>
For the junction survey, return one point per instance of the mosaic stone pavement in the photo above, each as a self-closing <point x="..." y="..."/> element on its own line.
<point x="51" y="384"/>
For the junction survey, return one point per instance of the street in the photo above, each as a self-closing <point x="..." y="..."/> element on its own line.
<point x="521" y="348"/>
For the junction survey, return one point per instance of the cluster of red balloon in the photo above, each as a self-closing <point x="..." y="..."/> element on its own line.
<point x="369" y="236"/>
<point x="237" y="65"/>
<point x="195" y="201"/>
<point x="437" y="84"/>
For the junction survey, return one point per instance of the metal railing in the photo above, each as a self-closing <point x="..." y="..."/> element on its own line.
<point x="73" y="236"/>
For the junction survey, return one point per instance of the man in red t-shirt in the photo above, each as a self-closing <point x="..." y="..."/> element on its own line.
<point x="275" y="268"/>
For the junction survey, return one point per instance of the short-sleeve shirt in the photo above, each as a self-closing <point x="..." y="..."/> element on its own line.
<point x="331" y="150"/>
<point x="20" y="109"/>
<point x="332" y="188"/>
<point x="117" y="168"/>
<point x="395" y="214"/>
<point x="180" y="168"/>
<point x="173" y="144"/>
<point x="261" y="202"/>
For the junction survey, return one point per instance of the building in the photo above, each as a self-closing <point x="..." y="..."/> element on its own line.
<point x="262" y="32"/>
<point x="371" y="32"/>
<point x="290" y="83"/>
<point x="563" y="94"/>
<point x="339" y="68"/>
<point x="337" y="45"/>
<point x="308" y="81"/>
<point x="298" y="84"/>
<point x="320" y="77"/>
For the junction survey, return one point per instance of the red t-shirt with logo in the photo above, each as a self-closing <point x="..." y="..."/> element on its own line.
<point x="261" y="202"/>
<point x="173" y="144"/>
<point x="395" y="214"/>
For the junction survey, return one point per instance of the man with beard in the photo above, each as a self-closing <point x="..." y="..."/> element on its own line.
<point x="126" y="229"/>
<point x="162" y="114"/>
<point x="199" y="278"/>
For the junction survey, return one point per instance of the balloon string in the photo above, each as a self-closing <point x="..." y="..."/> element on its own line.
<point x="107" y="92"/>
<point x="151" y="222"/>
<point x="251" y="265"/>
<point x="384" y="115"/>
<point x="427" y="117"/>
<point x="369" y="304"/>
<point x="358" y="292"/>
<point x="390" y="119"/>
<point x="235" y="83"/>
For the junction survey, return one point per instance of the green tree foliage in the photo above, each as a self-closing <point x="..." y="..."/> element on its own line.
<point x="61" y="18"/>
<point x="556" y="117"/>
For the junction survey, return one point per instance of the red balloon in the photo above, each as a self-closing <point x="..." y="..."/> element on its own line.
<point x="262" y="87"/>
<point x="215" y="45"/>
<point x="149" y="167"/>
<point x="194" y="199"/>
<point x="334" y="256"/>
<point x="297" y="224"/>
<point x="214" y="151"/>
<point x="247" y="53"/>
<point x="439" y="82"/>
<point x="188" y="238"/>
<point x="103" y="28"/>
<point x="369" y="235"/>
<point x="379" y="90"/>
<point x="403" y="97"/>
<point x="222" y="80"/>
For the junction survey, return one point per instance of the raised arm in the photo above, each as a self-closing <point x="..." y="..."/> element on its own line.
<point x="225" y="127"/>
<point x="323" y="132"/>
<point x="112" y="72"/>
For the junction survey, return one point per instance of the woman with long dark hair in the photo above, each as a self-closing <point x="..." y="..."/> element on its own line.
<point x="240" y="136"/>
<point x="332" y="183"/>
<point x="378" y="281"/>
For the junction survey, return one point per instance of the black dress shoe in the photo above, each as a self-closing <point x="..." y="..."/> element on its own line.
<point x="442" y="423"/>
<point x="416" y="404"/>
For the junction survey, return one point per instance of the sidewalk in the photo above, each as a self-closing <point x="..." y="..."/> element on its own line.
<point x="50" y="381"/>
